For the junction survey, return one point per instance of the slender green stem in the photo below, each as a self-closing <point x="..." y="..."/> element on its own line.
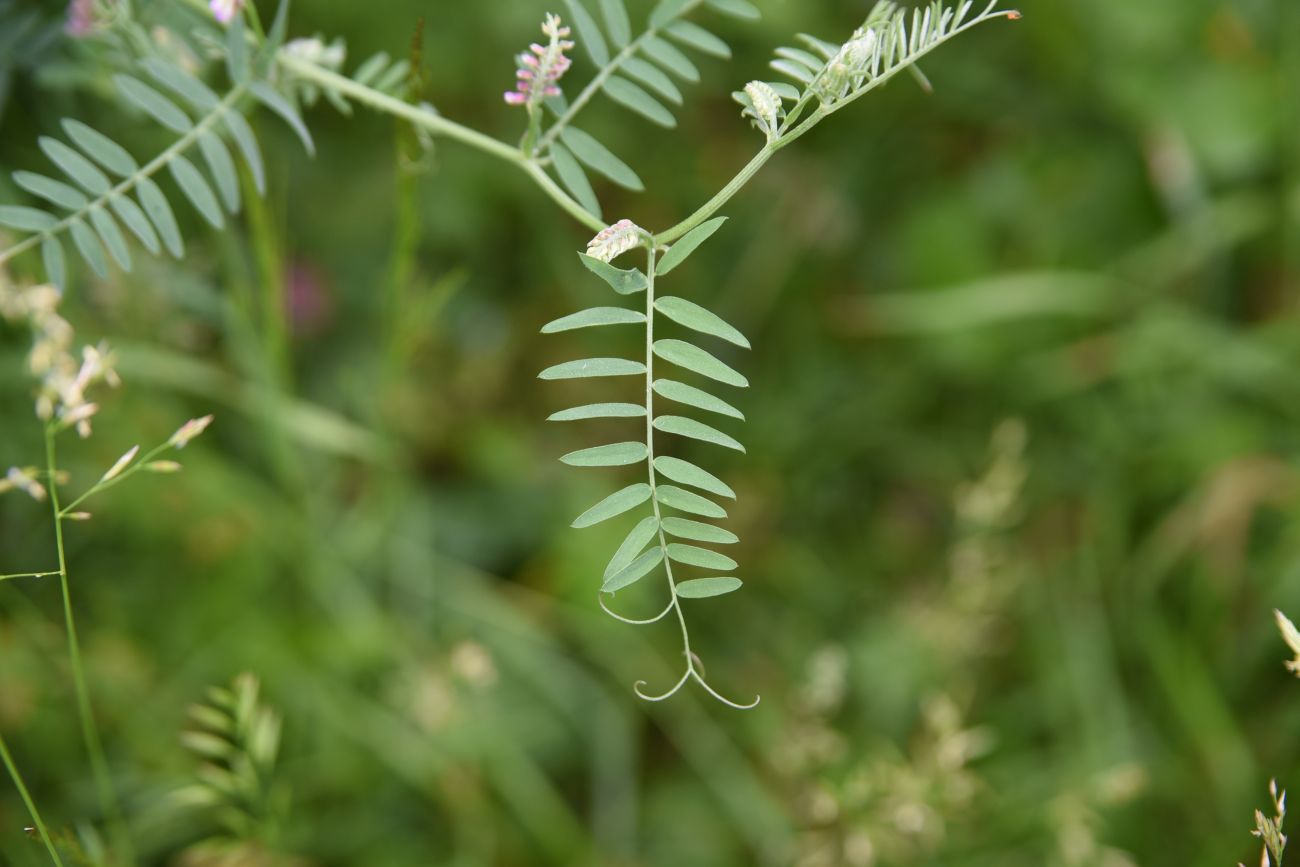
<point x="89" y="729"/>
<point x="593" y="86"/>
<point x="152" y="167"/>
<point x="31" y="805"/>
<point x="27" y="575"/>
<point x="438" y="125"/>
<point x="139" y="464"/>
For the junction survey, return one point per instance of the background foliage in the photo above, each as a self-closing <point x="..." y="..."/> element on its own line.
<point x="979" y="641"/>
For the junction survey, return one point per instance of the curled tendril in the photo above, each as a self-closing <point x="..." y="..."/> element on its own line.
<point x="636" y="687"/>
<point x="689" y="673"/>
<point x="660" y="616"/>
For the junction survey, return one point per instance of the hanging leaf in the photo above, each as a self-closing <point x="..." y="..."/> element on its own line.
<point x="616" y="21"/>
<point x="632" y="546"/>
<point x="272" y="99"/>
<point x="698" y="532"/>
<point x="703" y="588"/>
<point x="685" y="473"/>
<point x="106" y="227"/>
<point x="153" y="103"/>
<point x="631" y="96"/>
<point x="589" y="367"/>
<point x="695" y="317"/>
<point x="88" y="246"/>
<point x="574" y="179"/>
<point x="242" y="133"/>
<point x="599" y="410"/>
<point x="26" y="219"/>
<point x="52" y="191"/>
<point x="75" y="166"/>
<point x="155" y="205"/>
<point x="698" y="38"/>
<point x="588" y="33"/>
<point x="691" y="555"/>
<point x="599" y="158"/>
<point x="670" y="57"/>
<point x="634" y="571"/>
<point x="696" y="360"/>
<point x="56" y="265"/>
<point x="688" y="244"/>
<point x="197" y="190"/>
<point x="614" y="455"/>
<point x="653" y="77"/>
<point x="136" y="221"/>
<point x="222" y="168"/>
<point x="594" y="316"/>
<point x="689" y="427"/>
<point x="684" y="501"/>
<point x="696" y="397"/>
<point x="613" y="505"/>
<point x="623" y="282"/>
<point x="101" y="148"/>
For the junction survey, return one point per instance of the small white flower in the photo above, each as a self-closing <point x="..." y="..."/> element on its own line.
<point x="189" y="431"/>
<point x="613" y="241"/>
<point x="122" y="463"/>
<point x="23" y="480"/>
<point x="163" y="467"/>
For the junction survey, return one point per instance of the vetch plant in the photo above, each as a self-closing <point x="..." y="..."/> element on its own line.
<point x="638" y="69"/>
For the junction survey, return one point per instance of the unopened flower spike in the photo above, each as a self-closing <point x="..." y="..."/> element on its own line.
<point x="764" y="108"/>
<point x="189" y="431"/>
<point x="613" y="241"/>
<point x="541" y="67"/>
<point x="225" y="10"/>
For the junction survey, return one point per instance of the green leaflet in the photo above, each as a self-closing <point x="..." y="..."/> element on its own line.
<point x="271" y="98"/>
<point x="223" y="169"/>
<point x="797" y="71"/>
<point x="52" y="191"/>
<point x="631" y="96"/>
<point x="155" y="205"/>
<point x="189" y="88"/>
<point x="197" y="190"/>
<point x="653" y="77"/>
<point x="56" y="265"/>
<point x="588" y="33"/>
<point x="594" y="316"/>
<point x="703" y="588"/>
<point x="695" y="317"/>
<point x="696" y="360"/>
<point x="687" y="245"/>
<point x="101" y="148"/>
<point x="627" y="282"/>
<point x="237" y="51"/>
<point x="75" y="166"/>
<point x="633" y="545"/>
<point x="599" y="410"/>
<point x="574" y="178"/>
<point x="684" y="501"/>
<point x="697" y="532"/>
<point x="616" y="21"/>
<point x="666" y="11"/>
<point x="88" y="246"/>
<point x="599" y="158"/>
<point x="686" y="473"/>
<point x="153" y="103"/>
<point x="692" y="396"/>
<point x="689" y="427"/>
<point x="614" y="455"/>
<point x="242" y="133"/>
<point x="136" y="221"/>
<point x="736" y="8"/>
<point x="613" y="505"/>
<point x="670" y="57"/>
<point x="367" y="71"/>
<point x="692" y="555"/>
<point x="698" y="38"/>
<point x="634" y="571"/>
<point x="106" y="227"/>
<point x="798" y="55"/>
<point x="589" y="367"/>
<point x="26" y="219"/>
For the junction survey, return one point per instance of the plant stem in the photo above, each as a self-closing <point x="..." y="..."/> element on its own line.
<point x="31" y="805"/>
<point x="139" y="464"/>
<point x="27" y="575"/>
<point x="438" y="125"/>
<point x="89" y="730"/>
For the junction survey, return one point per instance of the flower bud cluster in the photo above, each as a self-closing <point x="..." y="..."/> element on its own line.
<point x="541" y="67"/>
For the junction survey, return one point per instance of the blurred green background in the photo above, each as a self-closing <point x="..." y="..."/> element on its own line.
<point x="1021" y="490"/>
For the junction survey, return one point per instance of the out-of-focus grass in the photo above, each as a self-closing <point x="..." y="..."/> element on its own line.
<point x="1090" y="227"/>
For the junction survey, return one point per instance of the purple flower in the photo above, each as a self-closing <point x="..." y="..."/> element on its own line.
<point x="540" y="70"/>
<point x="225" y="10"/>
<point x="80" y="21"/>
